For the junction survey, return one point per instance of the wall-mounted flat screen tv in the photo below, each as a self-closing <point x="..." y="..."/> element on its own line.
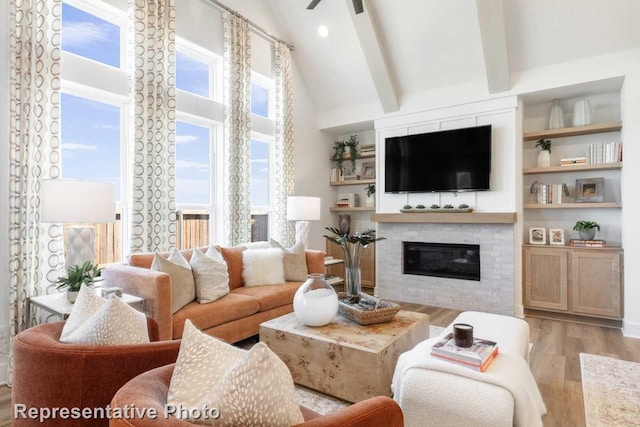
<point x="451" y="160"/>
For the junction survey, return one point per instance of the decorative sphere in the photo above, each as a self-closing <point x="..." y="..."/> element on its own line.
<point x="316" y="302"/>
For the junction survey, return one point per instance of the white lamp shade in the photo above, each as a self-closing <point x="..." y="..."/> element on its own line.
<point x="72" y="201"/>
<point x="300" y="208"/>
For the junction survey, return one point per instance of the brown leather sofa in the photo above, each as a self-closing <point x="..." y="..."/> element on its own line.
<point x="234" y="317"/>
<point x="149" y="391"/>
<point x="49" y="374"/>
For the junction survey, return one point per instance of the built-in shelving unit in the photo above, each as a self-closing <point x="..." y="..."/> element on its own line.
<point x="573" y="131"/>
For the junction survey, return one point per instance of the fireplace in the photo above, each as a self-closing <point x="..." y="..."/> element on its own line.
<point x="454" y="261"/>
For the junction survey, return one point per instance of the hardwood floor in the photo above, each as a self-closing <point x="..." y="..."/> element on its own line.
<point x="555" y="361"/>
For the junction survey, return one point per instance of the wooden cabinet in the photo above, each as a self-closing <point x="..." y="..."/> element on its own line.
<point x="573" y="280"/>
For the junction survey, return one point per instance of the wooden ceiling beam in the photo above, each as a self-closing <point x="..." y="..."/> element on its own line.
<point x="494" y="44"/>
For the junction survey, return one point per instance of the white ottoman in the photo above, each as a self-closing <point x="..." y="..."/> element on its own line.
<point x="433" y="398"/>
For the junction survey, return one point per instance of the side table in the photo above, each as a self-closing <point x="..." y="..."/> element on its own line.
<point x="59" y="305"/>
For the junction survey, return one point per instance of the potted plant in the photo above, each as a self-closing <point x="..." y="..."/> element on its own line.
<point x="371" y="190"/>
<point x="340" y="150"/>
<point x="76" y="276"/>
<point x="586" y="229"/>
<point x="544" y="158"/>
<point x="353" y="245"/>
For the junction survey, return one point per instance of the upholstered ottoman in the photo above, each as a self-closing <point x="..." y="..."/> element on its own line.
<point x="433" y="392"/>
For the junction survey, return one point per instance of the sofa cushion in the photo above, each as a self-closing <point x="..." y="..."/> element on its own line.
<point x="86" y="305"/>
<point x="210" y="275"/>
<point x="262" y="267"/>
<point x="233" y="258"/>
<point x="183" y="288"/>
<point x="295" y="261"/>
<point x="203" y="316"/>
<point x="271" y="296"/>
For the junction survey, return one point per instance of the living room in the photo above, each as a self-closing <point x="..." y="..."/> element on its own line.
<point x="393" y="70"/>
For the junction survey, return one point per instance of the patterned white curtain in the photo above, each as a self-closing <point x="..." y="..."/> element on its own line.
<point x="237" y="131"/>
<point x="282" y="229"/>
<point x="35" y="251"/>
<point x="152" y="56"/>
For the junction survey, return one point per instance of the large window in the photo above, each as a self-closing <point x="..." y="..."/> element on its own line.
<point x="89" y="36"/>
<point x="260" y="189"/>
<point x="193" y="164"/>
<point x="192" y="74"/>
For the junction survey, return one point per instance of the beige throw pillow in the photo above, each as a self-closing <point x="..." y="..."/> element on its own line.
<point x="115" y="323"/>
<point x="249" y="389"/>
<point x="295" y="261"/>
<point x="86" y="305"/>
<point x="262" y="267"/>
<point x="183" y="288"/>
<point x="210" y="275"/>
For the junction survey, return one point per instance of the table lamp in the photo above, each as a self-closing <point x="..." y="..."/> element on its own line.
<point x="302" y="210"/>
<point x="66" y="201"/>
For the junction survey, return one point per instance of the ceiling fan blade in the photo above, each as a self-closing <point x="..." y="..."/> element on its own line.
<point x="357" y="6"/>
<point x="313" y="4"/>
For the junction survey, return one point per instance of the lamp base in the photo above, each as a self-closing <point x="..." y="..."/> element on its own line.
<point x="302" y="232"/>
<point x="80" y="245"/>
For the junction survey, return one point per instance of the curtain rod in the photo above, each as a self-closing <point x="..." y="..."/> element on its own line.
<point x="252" y="24"/>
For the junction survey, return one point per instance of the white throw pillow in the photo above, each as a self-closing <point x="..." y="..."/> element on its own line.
<point x="183" y="288"/>
<point x="295" y="261"/>
<point x="86" y="305"/>
<point x="115" y="323"/>
<point x="249" y="389"/>
<point x="262" y="267"/>
<point x="210" y="275"/>
<point x="256" y="245"/>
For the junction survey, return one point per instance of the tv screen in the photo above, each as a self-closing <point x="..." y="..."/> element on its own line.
<point x="450" y="160"/>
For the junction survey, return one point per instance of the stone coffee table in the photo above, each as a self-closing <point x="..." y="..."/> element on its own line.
<point x="345" y="359"/>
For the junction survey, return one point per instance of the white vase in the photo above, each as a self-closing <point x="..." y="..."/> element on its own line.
<point x="370" y="201"/>
<point x="316" y="302"/>
<point x="556" y="119"/>
<point x="544" y="159"/>
<point x="72" y="296"/>
<point x="582" y="113"/>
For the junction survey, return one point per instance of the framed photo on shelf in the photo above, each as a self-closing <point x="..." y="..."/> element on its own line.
<point x="590" y="190"/>
<point x="556" y="236"/>
<point x="537" y="236"/>
<point x="368" y="170"/>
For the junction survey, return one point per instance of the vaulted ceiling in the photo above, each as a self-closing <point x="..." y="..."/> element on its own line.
<point x="398" y="48"/>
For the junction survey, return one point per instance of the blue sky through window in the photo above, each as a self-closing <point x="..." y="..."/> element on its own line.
<point x="259" y="100"/>
<point x="89" y="36"/>
<point x="192" y="164"/>
<point x="90" y="140"/>
<point x="192" y="75"/>
<point x="259" y="173"/>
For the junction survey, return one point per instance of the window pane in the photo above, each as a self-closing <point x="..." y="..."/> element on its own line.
<point x="90" y="140"/>
<point x="259" y="100"/>
<point x="192" y="75"/>
<point x="89" y="36"/>
<point x="259" y="173"/>
<point x="192" y="164"/>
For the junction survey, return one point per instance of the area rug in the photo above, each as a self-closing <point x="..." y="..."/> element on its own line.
<point x="611" y="390"/>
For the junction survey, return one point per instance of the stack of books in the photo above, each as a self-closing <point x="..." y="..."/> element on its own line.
<point x="367" y="149"/>
<point x="608" y="152"/>
<point x="335" y="175"/>
<point x="349" y="200"/>
<point x="477" y="357"/>
<point x="579" y="243"/>
<point x="573" y="161"/>
<point x="553" y="193"/>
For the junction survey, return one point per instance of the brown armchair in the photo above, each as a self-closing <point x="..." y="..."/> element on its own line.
<point x="49" y="374"/>
<point x="149" y="391"/>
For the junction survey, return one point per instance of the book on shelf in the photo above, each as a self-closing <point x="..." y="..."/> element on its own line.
<point x="572" y="161"/>
<point x="478" y="356"/>
<point x="553" y="194"/>
<point x="606" y="152"/>
<point x="580" y="243"/>
<point x="368" y="149"/>
<point x="348" y="200"/>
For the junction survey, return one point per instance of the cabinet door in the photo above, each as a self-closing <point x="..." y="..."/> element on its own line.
<point x="596" y="283"/>
<point x="545" y="278"/>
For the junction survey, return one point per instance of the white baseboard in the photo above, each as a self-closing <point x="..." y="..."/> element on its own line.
<point x="630" y="329"/>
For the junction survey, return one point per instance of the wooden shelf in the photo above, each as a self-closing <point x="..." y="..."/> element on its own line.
<point x="606" y="248"/>
<point x="573" y="131"/>
<point x="577" y="168"/>
<point x="360" y="156"/>
<point x="605" y="205"/>
<point x="353" y="182"/>
<point x="358" y="209"/>
<point x="451" y="218"/>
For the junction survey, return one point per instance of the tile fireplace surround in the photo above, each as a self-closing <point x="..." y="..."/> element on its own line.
<point x="494" y="293"/>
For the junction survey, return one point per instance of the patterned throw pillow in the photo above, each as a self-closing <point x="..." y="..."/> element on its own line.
<point x="85" y="306"/>
<point x="183" y="288"/>
<point x="249" y="389"/>
<point x="295" y="261"/>
<point x="115" y="323"/>
<point x="210" y="275"/>
<point x="262" y="267"/>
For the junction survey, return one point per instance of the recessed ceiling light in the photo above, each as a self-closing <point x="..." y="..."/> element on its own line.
<point x="323" y="31"/>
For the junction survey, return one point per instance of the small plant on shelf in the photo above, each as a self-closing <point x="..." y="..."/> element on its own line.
<point x="340" y="152"/>
<point x="371" y="189"/>
<point x="447" y="207"/>
<point x="463" y="206"/>
<point x="407" y="207"/>
<point x="545" y="144"/>
<point x="586" y="229"/>
<point x="434" y="206"/>
<point x="419" y="206"/>
<point x="76" y="276"/>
